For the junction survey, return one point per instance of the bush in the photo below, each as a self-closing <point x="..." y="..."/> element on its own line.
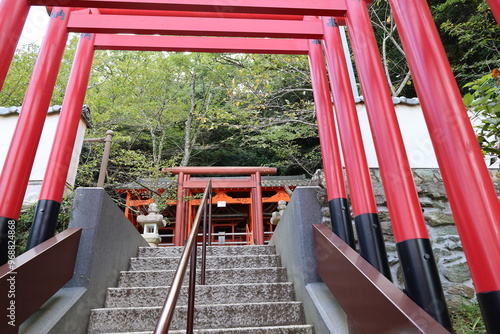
<point x="26" y="219"/>
<point x="484" y="102"/>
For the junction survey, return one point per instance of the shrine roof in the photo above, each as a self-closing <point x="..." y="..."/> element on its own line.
<point x="163" y="183"/>
<point x="55" y="109"/>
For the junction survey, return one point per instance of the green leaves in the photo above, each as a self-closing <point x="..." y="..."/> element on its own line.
<point x="483" y="102"/>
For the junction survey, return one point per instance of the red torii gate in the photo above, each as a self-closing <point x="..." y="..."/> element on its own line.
<point x="185" y="183"/>
<point x="469" y="187"/>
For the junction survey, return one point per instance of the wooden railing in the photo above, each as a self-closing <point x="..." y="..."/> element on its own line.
<point x="188" y="255"/>
<point x="29" y="280"/>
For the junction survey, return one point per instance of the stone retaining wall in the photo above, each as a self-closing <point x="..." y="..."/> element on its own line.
<point x="447" y="247"/>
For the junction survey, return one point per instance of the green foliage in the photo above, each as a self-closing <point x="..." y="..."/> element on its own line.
<point x="483" y="101"/>
<point x="470" y="36"/>
<point x="467" y="319"/>
<point x="16" y="83"/>
<point x="26" y="219"/>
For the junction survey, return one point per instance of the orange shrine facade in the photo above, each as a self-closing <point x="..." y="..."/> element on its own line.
<point x="243" y="201"/>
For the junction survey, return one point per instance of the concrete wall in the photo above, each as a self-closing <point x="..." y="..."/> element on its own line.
<point x="293" y="239"/>
<point x="108" y="241"/>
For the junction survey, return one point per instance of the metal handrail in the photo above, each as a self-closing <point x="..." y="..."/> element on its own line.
<point x="189" y="251"/>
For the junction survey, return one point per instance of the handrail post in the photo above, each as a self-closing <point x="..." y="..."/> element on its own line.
<point x="105" y="158"/>
<point x="210" y="195"/>
<point x="191" y="291"/>
<point x="204" y="242"/>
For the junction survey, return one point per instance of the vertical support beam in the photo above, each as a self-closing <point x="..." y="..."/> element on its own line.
<point x="54" y="181"/>
<point x="421" y="276"/>
<point x="259" y="214"/>
<point x="470" y="190"/>
<point x="13" y="14"/>
<point x="495" y="9"/>
<point x="253" y="225"/>
<point x="14" y="180"/>
<point x="179" y="214"/>
<point x="187" y="211"/>
<point x="332" y="165"/>
<point x="105" y="158"/>
<point x="364" y="207"/>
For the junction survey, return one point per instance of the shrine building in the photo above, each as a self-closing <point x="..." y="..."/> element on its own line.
<point x="243" y="201"/>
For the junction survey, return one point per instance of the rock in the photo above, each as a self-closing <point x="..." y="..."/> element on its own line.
<point x="439" y="252"/>
<point x="325" y="211"/>
<point x="453" y="259"/>
<point x="461" y="290"/>
<point x="458" y="273"/>
<point x="438" y="218"/>
<point x="445" y="230"/>
<point x="432" y="190"/>
<point x="457" y="295"/>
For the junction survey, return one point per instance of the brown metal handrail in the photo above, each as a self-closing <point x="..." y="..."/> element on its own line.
<point x="33" y="277"/>
<point x="189" y="252"/>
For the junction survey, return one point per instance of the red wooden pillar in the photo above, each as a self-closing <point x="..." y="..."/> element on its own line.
<point x="259" y="214"/>
<point x="472" y="197"/>
<point x="332" y="165"/>
<point x="179" y="214"/>
<point x="14" y="180"/>
<point x="187" y="207"/>
<point x="13" y="14"/>
<point x="364" y="207"/>
<point x="495" y="9"/>
<point x="54" y="181"/>
<point x="412" y="240"/>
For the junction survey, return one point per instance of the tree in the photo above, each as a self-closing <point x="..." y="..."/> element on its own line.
<point x="396" y="68"/>
<point x="18" y="78"/>
<point x="470" y="36"/>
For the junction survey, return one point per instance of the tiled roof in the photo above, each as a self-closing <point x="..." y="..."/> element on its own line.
<point x="267" y="181"/>
<point x="396" y="100"/>
<point x="86" y="116"/>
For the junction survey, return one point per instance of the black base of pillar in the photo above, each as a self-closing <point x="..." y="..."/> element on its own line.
<point x="422" y="281"/>
<point x="7" y="239"/>
<point x="371" y="242"/>
<point x="44" y="222"/>
<point x="489" y="302"/>
<point x="341" y="220"/>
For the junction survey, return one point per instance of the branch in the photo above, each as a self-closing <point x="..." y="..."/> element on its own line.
<point x="277" y="123"/>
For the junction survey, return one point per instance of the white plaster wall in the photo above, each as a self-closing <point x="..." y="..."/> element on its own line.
<point x="7" y="127"/>
<point x="416" y="137"/>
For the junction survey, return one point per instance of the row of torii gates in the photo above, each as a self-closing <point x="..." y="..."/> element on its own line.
<point x="307" y="27"/>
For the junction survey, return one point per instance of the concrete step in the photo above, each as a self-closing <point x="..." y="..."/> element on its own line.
<point x="211" y="251"/>
<point x="219" y="262"/>
<point x="206" y="316"/>
<point x="205" y="294"/>
<point x="154" y="278"/>
<point x="294" y="329"/>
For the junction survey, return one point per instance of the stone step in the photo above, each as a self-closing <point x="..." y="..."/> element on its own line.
<point x="205" y="294"/>
<point x="154" y="278"/>
<point x="206" y="316"/>
<point x="293" y="329"/>
<point x="211" y="251"/>
<point x="219" y="262"/>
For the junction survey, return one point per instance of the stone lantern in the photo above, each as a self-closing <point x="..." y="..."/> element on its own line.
<point x="150" y="224"/>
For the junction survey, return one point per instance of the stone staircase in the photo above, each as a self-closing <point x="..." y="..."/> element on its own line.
<point x="246" y="291"/>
